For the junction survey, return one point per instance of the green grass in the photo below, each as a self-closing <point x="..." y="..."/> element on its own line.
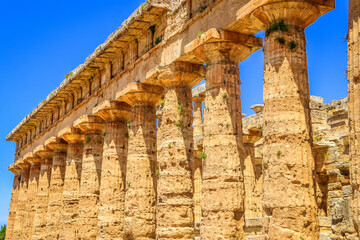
<point x="202" y="155"/>
<point x="277" y="26"/>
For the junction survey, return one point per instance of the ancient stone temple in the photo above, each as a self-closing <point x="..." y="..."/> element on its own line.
<point x="130" y="146"/>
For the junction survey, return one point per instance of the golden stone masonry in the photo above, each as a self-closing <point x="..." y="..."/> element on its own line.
<point x="128" y="148"/>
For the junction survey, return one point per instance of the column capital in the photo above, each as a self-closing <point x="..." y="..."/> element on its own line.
<point x="180" y="73"/>
<point x="222" y="47"/>
<point x="90" y="124"/>
<point x="71" y="135"/>
<point x="14" y="169"/>
<point x="252" y="137"/>
<point x="112" y="111"/>
<point x="32" y="159"/>
<point x="56" y="144"/>
<point x="43" y="152"/>
<point x="141" y="94"/>
<point x="22" y="165"/>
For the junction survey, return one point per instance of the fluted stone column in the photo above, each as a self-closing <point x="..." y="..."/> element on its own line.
<point x="34" y="162"/>
<point x="197" y="168"/>
<point x="93" y="127"/>
<point x="222" y="185"/>
<point x="70" y="198"/>
<point x="140" y="198"/>
<point x="253" y="202"/>
<point x="288" y="154"/>
<point x="14" y="202"/>
<point x="21" y="211"/>
<point x="175" y="157"/>
<point x="354" y="106"/>
<point x="113" y="170"/>
<point x="42" y="197"/>
<point x="55" y="204"/>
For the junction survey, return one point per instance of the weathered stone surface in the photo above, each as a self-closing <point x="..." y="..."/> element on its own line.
<point x="175" y="204"/>
<point x="287" y="151"/>
<point x="140" y="198"/>
<point x="55" y="203"/>
<point x="21" y="211"/>
<point x="93" y="127"/>
<point x="223" y="146"/>
<point x="42" y="196"/>
<point x="113" y="170"/>
<point x="70" y="198"/>
<point x="34" y="162"/>
<point x="13" y="204"/>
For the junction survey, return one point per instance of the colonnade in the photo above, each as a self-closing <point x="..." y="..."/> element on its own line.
<point x="114" y="175"/>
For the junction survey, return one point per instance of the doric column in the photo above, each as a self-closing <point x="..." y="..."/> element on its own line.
<point x="113" y="170"/>
<point x="253" y="205"/>
<point x="354" y="106"/>
<point x="222" y="185"/>
<point x="93" y="127"/>
<point x="198" y="149"/>
<point x="55" y="204"/>
<point x="14" y="202"/>
<point x="42" y="197"/>
<point x="70" y="211"/>
<point x="175" y="157"/>
<point x="140" y="198"/>
<point x="287" y="152"/>
<point x="34" y="162"/>
<point x="21" y="214"/>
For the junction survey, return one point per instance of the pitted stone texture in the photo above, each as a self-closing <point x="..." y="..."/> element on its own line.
<point x="222" y="185"/>
<point x="55" y="204"/>
<point x="288" y="156"/>
<point x="42" y="197"/>
<point x="13" y="208"/>
<point x="31" y="200"/>
<point x="21" y="211"/>
<point x="113" y="172"/>
<point x="70" y="211"/>
<point x="140" y="198"/>
<point x="175" y="158"/>
<point x="354" y="106"/>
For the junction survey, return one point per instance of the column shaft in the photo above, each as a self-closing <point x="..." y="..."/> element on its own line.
<point x="287" y="152"/>
<point x="55" y="205"/>
<point x="175" y="157"/>
<point x="354" y="106"/>
<point x="222" y="185"/>
<point x="140" y="198"/>
<point x="13" y="208"/>
<point x="42" y="197"/>
<point x="70" y="212"/>
<point x="90" y="185"/>
<point x="21" y="207"/>
<point x="112" y="189"/>
<point x="31" y="199"/>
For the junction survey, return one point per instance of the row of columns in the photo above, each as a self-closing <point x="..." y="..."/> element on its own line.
<point x="109" y="181"/>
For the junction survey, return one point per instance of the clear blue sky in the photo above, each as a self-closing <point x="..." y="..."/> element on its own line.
<point x="41" y="41"/>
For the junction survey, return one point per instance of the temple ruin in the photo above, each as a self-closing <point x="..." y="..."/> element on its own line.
<point x="130" y="146"/>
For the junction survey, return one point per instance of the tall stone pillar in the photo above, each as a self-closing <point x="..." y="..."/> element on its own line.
<point x="222" y="185"/>
<point x="14" y="202"/>
<point x="70" y="197"/>
<point x="287" y="152"/>
<point x="113" y="170"/>
<point x="93" y="127"/>
<point x="140" y="197"/>
<point x="175" y="190"/>
<point x="55" y="204"/>
<point x="197" y="168"/>
<point x="21" y="214"/>
<point x="42" y="197"/>
<point x="34" y="162"/>
<point x="253" y="202"/>
<point x="354" y="106"/>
